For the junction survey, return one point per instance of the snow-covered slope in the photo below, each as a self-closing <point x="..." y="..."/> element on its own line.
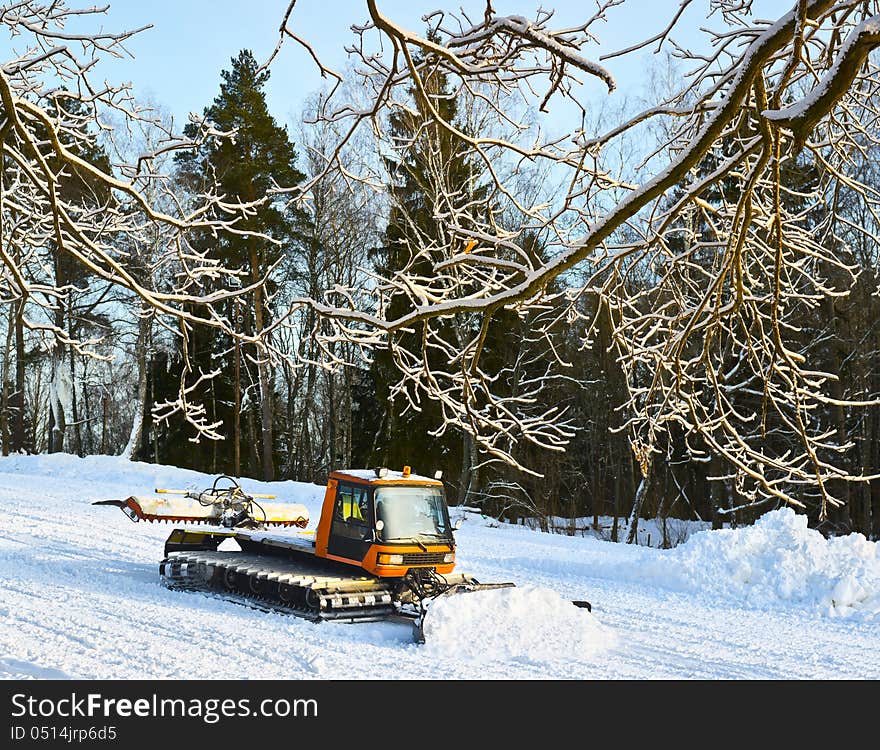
<point x="80" y="597"/>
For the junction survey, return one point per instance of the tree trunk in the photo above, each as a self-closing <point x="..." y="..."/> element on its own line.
<point x="19" y="437"/>
<point x="252" y="442"/>
<point x="347" y="413"/>
<point x="4" y="401"/>
<point x="136" y="437"/>
<point x="641" y="496"/>
<point x="87" y="439"/>
<point x="861" y="493"/>
<point x="215" y="444"/>
<point x="57" y="418"/>
<point x="469" y="479"/>
<point x="5" y="437"/>
<point x="236" y="416"/>
<point x="292" y="385"/>
<point x="74" y="410"/>
<point x="872" y="467"/>
<point x="332" y="421"/>
<point x="615" y="523"/>
<point x="839" y="489"/>
<point x="266" y="411"/>
<point x="34" y="445"/>
<point x="599" y="478"/>
<point x="104" y="424"/>
<point x="306" y="452"/>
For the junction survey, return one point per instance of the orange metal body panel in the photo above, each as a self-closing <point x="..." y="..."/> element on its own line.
<point x="322" y="536"/>
<point x="371" y="565"/>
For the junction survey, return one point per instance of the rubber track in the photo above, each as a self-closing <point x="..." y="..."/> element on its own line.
<point x="302" y="588"/>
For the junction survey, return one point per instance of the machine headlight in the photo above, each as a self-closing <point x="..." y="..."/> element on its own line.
<point x="449" y="557"/>
<point x="390" y="559"/>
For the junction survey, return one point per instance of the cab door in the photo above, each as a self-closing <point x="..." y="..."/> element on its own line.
<point x="351" y="530"/>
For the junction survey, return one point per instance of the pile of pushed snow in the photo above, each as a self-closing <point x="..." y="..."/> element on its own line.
<point x="779" y="559"/>
<point x="526" y="623"/>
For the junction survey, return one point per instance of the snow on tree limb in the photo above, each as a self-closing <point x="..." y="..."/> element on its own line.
<point x="709" y="258"/>
<point x="70" y="220"/>
<point x="803" y="116"/>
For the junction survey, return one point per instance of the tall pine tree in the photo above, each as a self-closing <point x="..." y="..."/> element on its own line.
<point x="259" y="157"/>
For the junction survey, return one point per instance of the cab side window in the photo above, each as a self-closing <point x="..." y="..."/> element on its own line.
<point x="351" y="517"/>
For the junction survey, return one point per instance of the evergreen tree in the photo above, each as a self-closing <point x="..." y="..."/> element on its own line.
<point x="433" y="172"/>
<point x="258" y="157"/>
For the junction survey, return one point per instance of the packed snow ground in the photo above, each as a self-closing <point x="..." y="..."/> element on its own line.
<point x="82" y="598"/>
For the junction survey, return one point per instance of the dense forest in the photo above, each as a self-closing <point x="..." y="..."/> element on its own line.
<point x="111" y="378"/>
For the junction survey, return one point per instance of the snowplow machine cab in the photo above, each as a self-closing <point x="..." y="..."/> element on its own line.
<point x="386" y="522"/>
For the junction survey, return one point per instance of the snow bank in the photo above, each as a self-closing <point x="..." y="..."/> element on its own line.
<point x="115" y="477"/>
<point x="780" y="560"/>
<point x="527" y="624"/>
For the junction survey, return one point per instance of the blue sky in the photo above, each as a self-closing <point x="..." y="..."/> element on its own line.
<point x="178" y="61"/>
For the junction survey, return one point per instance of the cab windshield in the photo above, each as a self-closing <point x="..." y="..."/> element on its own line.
<point x="412" y="513"/>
